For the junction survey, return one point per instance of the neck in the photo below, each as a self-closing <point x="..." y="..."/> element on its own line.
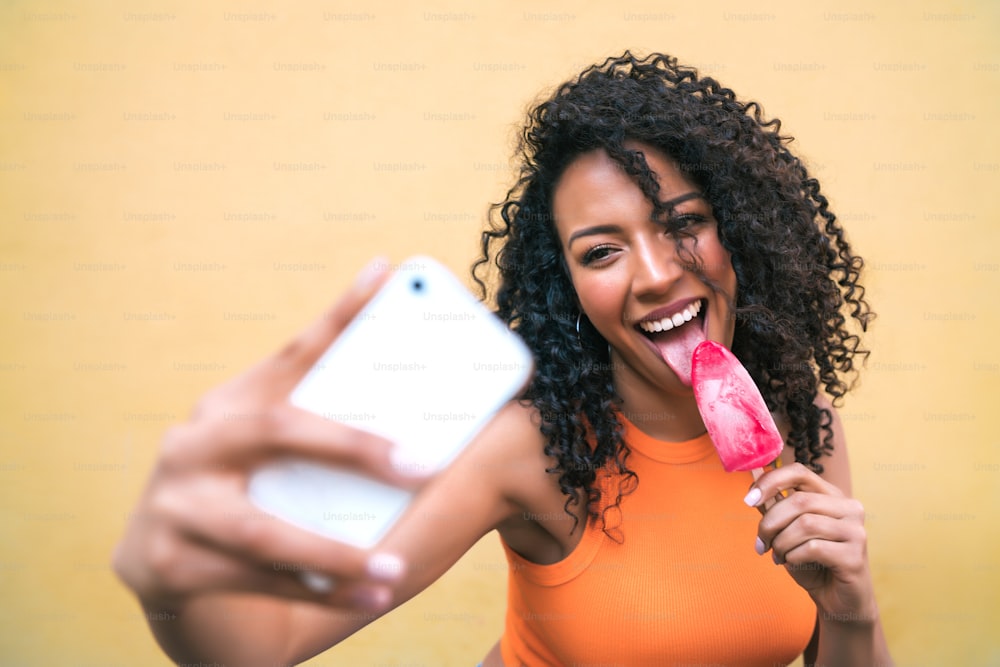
<point x="660" y="414"/>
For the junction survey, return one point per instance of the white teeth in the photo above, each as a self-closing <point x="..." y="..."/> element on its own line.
<point x="675" y="320"/>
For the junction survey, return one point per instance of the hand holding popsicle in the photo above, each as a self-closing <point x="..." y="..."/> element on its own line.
<point x="819" y="534"/>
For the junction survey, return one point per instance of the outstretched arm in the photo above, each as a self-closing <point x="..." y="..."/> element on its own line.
<point x="219" y="581"/>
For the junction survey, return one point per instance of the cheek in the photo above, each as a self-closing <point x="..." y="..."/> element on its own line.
<point x="727" y="274"/>
<point x="599" y="296"/>
<point x="719" y="266"/>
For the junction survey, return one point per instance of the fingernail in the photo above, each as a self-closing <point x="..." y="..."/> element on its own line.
<point x="759" y="547"/>
<point x="372" y="598"/>
<point x="385" y="567"/>
<point x="316" y="582"/>
<point x="774" y="557"/>
<point x="753" y="497"/>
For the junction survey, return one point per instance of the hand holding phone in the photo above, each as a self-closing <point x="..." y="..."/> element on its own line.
<point x="425" y="365"/>
<point x="193" y="530"/>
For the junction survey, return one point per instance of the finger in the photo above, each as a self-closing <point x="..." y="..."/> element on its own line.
<point x="794" y="477"/>
<point x="843" y="557"/>
<point x="228" y="522"/>
<point x="283" y="369"/>
<point x="807" y="507"/>
<point x="316" y="582"/>
<point x="293" y="582"/>
<point x="195" y="568"/>
<point x="245" y="440"/>
<point x="809" y="527"/>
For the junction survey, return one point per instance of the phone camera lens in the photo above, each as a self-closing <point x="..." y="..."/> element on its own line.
<point x="418" y="285"/>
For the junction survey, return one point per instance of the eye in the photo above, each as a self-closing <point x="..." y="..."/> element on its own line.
<point x="596" y="254"/>
<point x="683" y="223"/>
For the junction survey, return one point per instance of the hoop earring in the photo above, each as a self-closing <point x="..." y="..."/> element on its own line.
<point x="580" y="340"/>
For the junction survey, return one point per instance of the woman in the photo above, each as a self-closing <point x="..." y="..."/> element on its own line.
<point x="653" y="211"/>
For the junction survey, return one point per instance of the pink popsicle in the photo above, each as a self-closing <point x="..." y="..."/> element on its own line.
<point x="733" y="410"/>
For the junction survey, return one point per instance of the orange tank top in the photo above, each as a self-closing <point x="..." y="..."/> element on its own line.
<point x="680" y="584"/>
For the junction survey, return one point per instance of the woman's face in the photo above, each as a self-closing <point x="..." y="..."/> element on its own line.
<point x="630" y="280"/>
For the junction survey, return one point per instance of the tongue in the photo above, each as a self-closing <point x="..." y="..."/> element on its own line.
<point x="677" y="347"/>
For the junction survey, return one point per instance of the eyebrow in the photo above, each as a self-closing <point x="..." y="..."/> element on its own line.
<point x="612" y="229"/>
<point x="687" y="196"/>
<point x="592" y="231"/>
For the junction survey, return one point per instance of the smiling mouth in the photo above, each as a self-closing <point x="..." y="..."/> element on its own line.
<point x="674" y="337"/>
<point x="672" y="321"/>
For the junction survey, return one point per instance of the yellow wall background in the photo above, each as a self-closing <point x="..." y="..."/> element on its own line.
<point x="183" y="185"/>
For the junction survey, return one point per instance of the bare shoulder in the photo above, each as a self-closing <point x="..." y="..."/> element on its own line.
<point x="514" y="431"/>
<point x="513" y="449"/>
<point x="539" y="527"/>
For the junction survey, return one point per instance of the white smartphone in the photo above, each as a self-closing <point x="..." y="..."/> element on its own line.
<point x="424" y="364"/>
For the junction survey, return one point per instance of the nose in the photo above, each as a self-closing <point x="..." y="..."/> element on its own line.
<point x="656" y="267"/>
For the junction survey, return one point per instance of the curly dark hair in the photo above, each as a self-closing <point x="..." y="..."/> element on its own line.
<point x="798" y="281"/>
